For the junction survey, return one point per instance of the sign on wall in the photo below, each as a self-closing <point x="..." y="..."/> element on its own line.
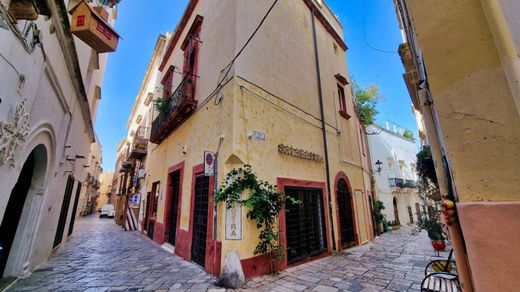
<point x="234" y="223"/>
<point x="300" y="153"/>
<point x="209" y="163"/>
<point x="258" y="136"/>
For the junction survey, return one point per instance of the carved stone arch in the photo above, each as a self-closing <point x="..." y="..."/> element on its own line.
<point x="40" y="146"/>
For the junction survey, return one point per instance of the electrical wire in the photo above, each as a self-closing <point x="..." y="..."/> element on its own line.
<point x="364" y="33"/>
<point x="285" y="101"/>
<point x="230" y="65"/>
<point x="250" y="37"/>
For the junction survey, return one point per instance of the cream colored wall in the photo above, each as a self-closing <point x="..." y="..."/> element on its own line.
<point x="106" y="184"/>
<point x="287" y="72"/>
<point x="242" y="111"/>
<point x="473" y="101"/>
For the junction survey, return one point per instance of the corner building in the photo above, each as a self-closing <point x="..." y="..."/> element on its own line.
<point x="268" y="101"/>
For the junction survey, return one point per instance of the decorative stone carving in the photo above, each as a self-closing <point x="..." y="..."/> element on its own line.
<point x="13" y="133"/>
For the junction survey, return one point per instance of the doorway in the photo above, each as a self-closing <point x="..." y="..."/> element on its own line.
<point x="305" y="224"/>
<point x="175" y="183"/>
<point x="200" y="220"/>
<point x="74" y="210"/>
<point x="64" y="211"/>
<point x="20" y="212"/>
<point x="346" y="215"/>
<point x="13" y="211"/>
<point x="396" y="212"/>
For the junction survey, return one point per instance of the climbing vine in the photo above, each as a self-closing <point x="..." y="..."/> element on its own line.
<point x="264" y="202"/>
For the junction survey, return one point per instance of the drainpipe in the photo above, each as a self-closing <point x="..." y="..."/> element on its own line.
<point x="323" y="131"/>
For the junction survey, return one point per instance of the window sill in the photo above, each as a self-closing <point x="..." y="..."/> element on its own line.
<point x="344" y="114"/>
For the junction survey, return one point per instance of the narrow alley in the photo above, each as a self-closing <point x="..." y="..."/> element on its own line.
<point x="102" y="257"/>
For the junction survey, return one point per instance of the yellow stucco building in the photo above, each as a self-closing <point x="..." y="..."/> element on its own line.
<point x="284" y="106"/>
<point x="470" y="101"/>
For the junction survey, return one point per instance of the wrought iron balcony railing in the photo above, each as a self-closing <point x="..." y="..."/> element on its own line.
<point x="139" y="143"/>
<point x="402" y="183"/>
<point x="179" y="106"/>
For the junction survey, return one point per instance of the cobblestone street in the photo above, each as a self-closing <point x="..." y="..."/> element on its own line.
<point x="102" y="257"/>
<point x="394" y="262"/>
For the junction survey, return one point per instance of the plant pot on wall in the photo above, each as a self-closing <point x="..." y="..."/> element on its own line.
<point x="90" y="25"/>
<point x="187" y="89"/>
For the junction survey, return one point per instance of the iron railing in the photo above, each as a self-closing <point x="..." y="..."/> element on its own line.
<point x="175" y="103"/>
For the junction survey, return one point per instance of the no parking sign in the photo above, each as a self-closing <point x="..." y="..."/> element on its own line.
<point x="209" y="163"/>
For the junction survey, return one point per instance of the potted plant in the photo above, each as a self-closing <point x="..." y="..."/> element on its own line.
<point x="187" y="87"/>
<point x="435" y="231"/>
<point x="379" y="217"/>
<point x="395" y="225"/>
<point x="387" y="226"/>
<point x="161" y="105"/>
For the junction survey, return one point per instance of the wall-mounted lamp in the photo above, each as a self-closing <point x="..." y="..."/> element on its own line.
<point x="379" y="166"/>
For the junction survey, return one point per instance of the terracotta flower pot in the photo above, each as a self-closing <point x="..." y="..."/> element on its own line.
<point x="439" y="245"/>
<point x="394" y="227"/>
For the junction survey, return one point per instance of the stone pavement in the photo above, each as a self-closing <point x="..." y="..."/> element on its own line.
<point x="395" y="261"/>
<point x="101" y="257"/>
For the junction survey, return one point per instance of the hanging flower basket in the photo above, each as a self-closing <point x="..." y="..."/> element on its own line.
<point x="110" y="3"/>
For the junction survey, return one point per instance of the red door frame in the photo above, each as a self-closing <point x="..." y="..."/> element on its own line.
<point x="290" y="182"/>
<point x="213" y="247"/>
<point x="342" y="175"/>
<point x="172" y="169"/>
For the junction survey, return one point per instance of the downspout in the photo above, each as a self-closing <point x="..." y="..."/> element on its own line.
<point x="323" y="130"/>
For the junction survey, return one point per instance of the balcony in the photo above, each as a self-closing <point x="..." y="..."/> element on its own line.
<point x="139" y="143"/>
<point x="179" y="106"/>
<point x="402" y="183"/>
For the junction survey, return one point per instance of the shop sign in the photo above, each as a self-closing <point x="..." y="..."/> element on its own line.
<point x="258" y="136"/>
<point x="209" y="163"/>
<point x="300" y="153"/>
<point x="234" y="223"/>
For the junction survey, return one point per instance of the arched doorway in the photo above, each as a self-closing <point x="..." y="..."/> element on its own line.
<point x="346" y="215"/>
<point x="396" y="212"/>
<point x="30" y="178"/>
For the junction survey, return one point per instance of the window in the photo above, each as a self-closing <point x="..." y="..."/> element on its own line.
<point x="342" y="102"/>
<point x="190" y="46"/>
<point x="154" y="199"/>
<point x="167" y="82"/>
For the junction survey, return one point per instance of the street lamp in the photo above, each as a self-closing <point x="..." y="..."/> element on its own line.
<point x="379" y="166"/>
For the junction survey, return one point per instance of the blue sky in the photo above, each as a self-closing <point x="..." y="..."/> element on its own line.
<point x="140" y="23"/>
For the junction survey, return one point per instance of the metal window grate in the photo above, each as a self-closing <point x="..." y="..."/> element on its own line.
<point x="175" y="179"/>
<point x="346" y="219"/>
<point x="200" y="220"/>
<point x="305" y="224"/>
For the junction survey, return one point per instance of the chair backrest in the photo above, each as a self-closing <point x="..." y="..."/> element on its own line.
<point x="441" y="282"/>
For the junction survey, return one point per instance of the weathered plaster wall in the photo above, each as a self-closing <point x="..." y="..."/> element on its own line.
<point x="56" y="119"/>
<point x="275" y="92"/>
<point x="472" y="99"/>
<point x="475" y="106"/>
